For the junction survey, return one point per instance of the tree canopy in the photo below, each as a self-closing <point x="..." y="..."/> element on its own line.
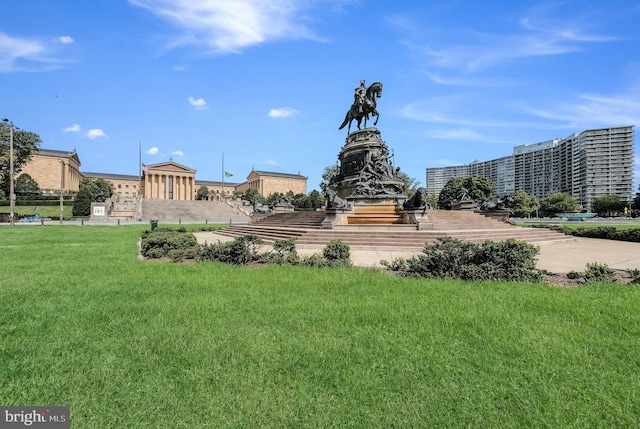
<point x="558" y="202"/>
<point x="202" y="193"/>
<point x="478" y="188"/>
<point x="608" y="205"/>
<point x="522" y="204"/>
<point x="89" y="190"/>
<point x="26" y="185"/>
<point x="25" y="144"/>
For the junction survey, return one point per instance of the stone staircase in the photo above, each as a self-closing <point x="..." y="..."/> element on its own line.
<point x="192" y="211"/>
<point x="467" y="226"/>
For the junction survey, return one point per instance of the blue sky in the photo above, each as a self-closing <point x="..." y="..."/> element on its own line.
<point x="268" y="82"/>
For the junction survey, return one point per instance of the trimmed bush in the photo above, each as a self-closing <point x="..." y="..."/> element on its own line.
<point x="509" y="260"/>
<point x="168" y="242"/>
<point x="241" y="251"/>
<point x="336" y="254"/>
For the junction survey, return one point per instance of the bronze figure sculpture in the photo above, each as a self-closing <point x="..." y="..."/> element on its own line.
<point x="364" y="105"/>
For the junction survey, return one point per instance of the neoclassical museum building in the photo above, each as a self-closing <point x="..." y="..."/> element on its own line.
<point x="58" y="171"/>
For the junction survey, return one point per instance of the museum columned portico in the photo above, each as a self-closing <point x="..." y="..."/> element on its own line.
<point x="169" y="181"/>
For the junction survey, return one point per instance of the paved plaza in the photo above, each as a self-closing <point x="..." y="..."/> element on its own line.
<point x="557" y="257"/>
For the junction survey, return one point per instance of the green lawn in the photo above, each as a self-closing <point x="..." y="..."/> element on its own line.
<point x="139" y="344"/>
<point x="45" y="211"/>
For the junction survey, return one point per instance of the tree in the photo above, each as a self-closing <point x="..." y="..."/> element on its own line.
<point x="329" y="173"/>
<point x="478" y="188"/>
<point x="316" y="199"/>
<point x="253" y="196"/>
<point x="608" y="205"/>
<point x="411" y="185"/>
<point x="25" y="144"/>
<point x="450" y="193"/>
<point x="558" y="202"/>
<point x="82" y="202"/>
<point x="522" y="204"/>
<point x="636" y="200"/>
<point x="26" y="185"/>
<point x="90" y="190"/>
<point x="202" y="193"/>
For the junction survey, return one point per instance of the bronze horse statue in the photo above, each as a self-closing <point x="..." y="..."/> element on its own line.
<point x="368" y="108"/>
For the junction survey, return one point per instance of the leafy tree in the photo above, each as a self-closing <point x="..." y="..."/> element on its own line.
<point x="608" y="205"/>
<point x="522" y="204"/>
<point x="478" y="188"/>
<point x="558" y="202"/>
<point x="450" y="193"/>
<point x="316" y="199"/>
<point x="411" y="185"/>
<point x="82" y="202"/>
<point x="26" y="185"/>
<point x="88" y="193"/>
<point x="432" y="200"/>
<point x="25" y="144"/>
<point x="328" y="174"/>
<point x="202" y="193"/>
<point x="253" y="196"/>
<point x="636" y="200"/>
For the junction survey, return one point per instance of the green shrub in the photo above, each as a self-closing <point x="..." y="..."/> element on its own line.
<point x="635" y="276"/>
<point x="337" y="254"/>
<point x="163" y="241"/>
<point x="241" y="251"/>
<point x="509" y="260"/>
<point x="285" y="251"/>
<point x="599" y="273"/>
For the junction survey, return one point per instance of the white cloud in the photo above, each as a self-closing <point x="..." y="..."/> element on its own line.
<point x="591" y="110"/>
<point x="282" y="112"/>
<point x="94" y="133"/>
<point x="198" y="103"/>
<point x="179" y="68"/>
<point x="72" y="129"/>
<point x="152" y="151"/>
<point x="177" y="153"/>
<point x="232" y="25"/>
<point x="25" y="55"/>
<point x="531" y="36"/>
<point x="65" y="40"/>
<point x="270" y="162"/>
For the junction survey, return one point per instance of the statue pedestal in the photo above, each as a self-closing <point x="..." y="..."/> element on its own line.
<point x="464" y="205"/>
<point x="419" y="218"/>
<point x="99" y="212"/>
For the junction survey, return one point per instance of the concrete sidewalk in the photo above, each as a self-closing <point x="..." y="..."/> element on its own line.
<point x="558" y="258"/>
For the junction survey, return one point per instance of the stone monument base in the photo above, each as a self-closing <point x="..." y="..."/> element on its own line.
<point x="99" y="211"/>
<point x="464" y="205"/>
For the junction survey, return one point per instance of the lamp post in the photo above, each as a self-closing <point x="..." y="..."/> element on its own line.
<point x="12" y="197"/>
<point x="61" y="188"/>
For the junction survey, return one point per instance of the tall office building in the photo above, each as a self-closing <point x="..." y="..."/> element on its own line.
<point x="585" y="165"/>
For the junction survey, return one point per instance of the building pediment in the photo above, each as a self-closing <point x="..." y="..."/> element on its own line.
<point x="169" y="167"/>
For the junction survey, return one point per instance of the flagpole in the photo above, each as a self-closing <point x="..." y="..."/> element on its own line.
<point x="223" y="190"/>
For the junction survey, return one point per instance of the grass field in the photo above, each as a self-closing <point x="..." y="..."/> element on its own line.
<point x="138" y="344"/>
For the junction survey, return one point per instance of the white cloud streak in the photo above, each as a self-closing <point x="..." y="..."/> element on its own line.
<point x="229" y="26"/>
<point x="283" y="112"/>
<point x="94" y="133"/>
<point x="198" y="103"/>
<point x="72" y="129"/>
<point x="153" y="150"/>
<point x="533" y="36"/>
<point x="65" y="40"/>
<point x="26" y="55"/>
<point x="177" y="153"/>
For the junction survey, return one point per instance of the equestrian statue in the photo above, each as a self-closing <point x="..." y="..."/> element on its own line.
<point x="364" y="104"/>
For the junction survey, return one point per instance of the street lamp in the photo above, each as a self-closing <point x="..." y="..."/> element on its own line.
<point x="62" y="164"/>
<point x="12" y="197"/>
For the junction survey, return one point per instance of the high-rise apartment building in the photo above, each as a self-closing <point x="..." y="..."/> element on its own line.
<point x="584" y="165"/>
